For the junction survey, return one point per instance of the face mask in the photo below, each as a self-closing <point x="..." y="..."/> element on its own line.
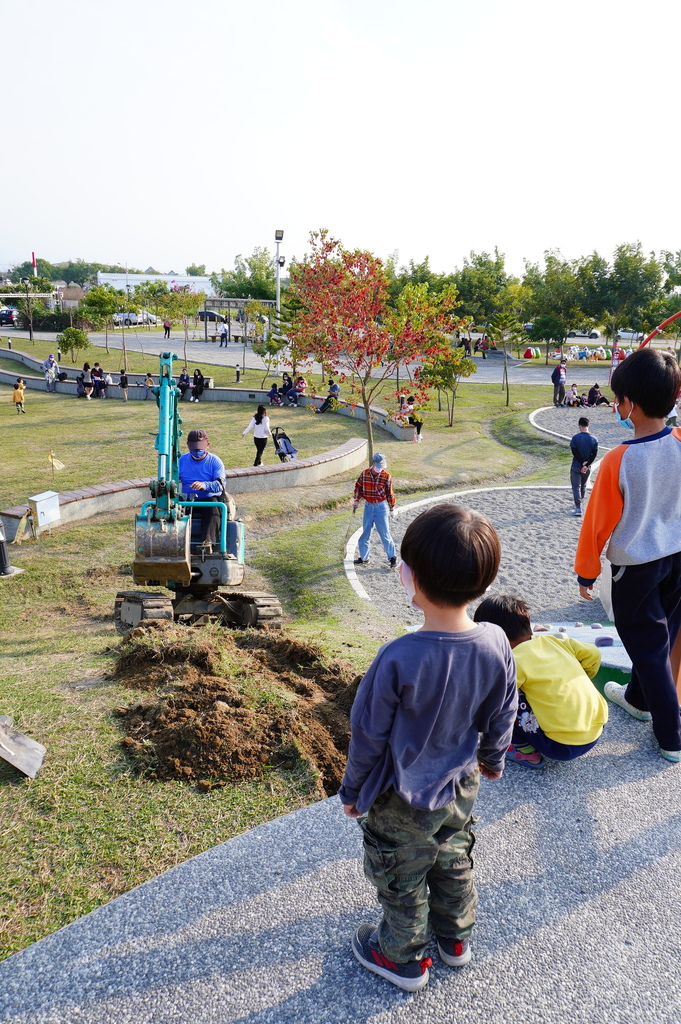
<point x="625" y="423"/>
<point x="407" y="581"/>
<point x="197" y="453"/>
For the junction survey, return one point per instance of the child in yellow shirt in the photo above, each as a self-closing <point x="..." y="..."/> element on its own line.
<point x="561" y="714"/>
<point x="19" y="389"/>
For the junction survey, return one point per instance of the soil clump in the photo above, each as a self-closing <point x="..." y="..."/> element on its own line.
<point x="229" y="706"/>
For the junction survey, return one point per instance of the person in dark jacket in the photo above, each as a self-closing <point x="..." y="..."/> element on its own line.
<point x="184" y="382"/>
<point x="558" y="380"/>
<point x="198" y="384"/>
<point x="584" y="447"/>
<point x="596" y="398"/>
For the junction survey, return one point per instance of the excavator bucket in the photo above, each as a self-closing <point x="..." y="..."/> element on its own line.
<point x="162" y="551"/>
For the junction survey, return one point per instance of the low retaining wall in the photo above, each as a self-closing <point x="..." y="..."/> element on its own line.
<point x="212" y="394"/>
<point x="89" y="501"/>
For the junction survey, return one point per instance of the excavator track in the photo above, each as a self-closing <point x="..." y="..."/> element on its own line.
<point x="134" y="607"/>
<point x="256" y="608"/>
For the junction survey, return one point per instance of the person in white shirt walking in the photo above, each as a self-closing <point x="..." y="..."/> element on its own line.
<point x="260" y="425"/>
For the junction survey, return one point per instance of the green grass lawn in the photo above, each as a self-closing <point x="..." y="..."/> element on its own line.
<point x="87" y="829"/>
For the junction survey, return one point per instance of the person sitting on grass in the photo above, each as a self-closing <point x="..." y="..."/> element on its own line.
<point x="561" y="714"/>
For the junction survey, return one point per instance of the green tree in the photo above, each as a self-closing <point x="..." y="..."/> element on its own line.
<point x="253" y="277"/>
<point x="480" y="285"/>
<point x="74" y="339"/>
<point x="445" y="371"/>
<point x="505" y="328"/>
<point x="556" y="299"/>
<point x="99" y="306"/>
<point x="618" y="294"/>
<point x="414" y="273"/>
<point x="196" y="270"/>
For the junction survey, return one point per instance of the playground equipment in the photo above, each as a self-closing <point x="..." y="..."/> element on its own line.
<point x="203" y="582"/>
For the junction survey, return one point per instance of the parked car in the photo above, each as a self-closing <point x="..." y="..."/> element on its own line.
<point x="627" y="335"/>
<point x="133" y="319"/>
<point x="211" y="316"/>
<point x="9" y="316"/>
<point x="584" y="332"/>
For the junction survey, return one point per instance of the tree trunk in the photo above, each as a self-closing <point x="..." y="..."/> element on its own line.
<point x="451" y="415"/>
<point x="508" y="392"/>
<point x="370" y="432"/>
<point x="186" y="333"/>
<point x="125" y="353"/>
<point x="106" y="336"/>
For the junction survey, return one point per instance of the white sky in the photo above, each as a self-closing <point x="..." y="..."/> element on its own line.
<point x="165" y="133"/>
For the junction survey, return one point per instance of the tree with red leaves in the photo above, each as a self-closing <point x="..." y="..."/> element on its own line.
<point x="346" y="320"/>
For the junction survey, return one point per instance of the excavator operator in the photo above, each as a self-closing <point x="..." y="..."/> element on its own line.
<point x="202" y="476"/>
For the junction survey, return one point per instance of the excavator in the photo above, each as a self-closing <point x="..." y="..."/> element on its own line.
<point x="204" y="581"/>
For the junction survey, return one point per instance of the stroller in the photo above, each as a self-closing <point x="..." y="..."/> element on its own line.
<point x="283" y="446"/>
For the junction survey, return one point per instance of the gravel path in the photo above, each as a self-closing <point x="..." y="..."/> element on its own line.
<point x="564" y="423"/>
<point x="538" y="540"/>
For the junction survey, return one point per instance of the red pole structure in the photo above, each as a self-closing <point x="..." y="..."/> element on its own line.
<point x="35" y="265"/>
<point x="659" y="329"/>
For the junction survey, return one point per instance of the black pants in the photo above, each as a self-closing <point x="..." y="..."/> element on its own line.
<point x="209" y="517"/>
<point x="646" y="601"/>
<point x="260" y="445"/>
<point x="578" y="481"/>
<point x="416" y="423"/>
<point x="166" y="332"/>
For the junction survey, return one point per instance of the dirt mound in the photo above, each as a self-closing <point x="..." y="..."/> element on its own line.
<point x="230" y="706"/>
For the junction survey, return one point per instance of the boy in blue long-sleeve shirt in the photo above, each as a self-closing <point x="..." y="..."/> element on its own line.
<point x="584" y="448"/>
<point x="435" y="710"/>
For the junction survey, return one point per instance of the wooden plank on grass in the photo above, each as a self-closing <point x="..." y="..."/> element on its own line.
<point x="21" y="751"/>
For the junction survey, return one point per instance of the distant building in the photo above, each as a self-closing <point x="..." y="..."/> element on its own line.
<point x="175" y="282"/>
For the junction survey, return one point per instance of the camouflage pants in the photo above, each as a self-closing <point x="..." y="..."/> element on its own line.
<point x="422" y="866"/>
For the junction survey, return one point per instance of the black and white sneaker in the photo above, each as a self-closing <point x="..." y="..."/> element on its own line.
<point x="393" y="562"/>
<point x="410" y="976"/>
<point x="453" y="952"/>
<point x="361" y="561"/>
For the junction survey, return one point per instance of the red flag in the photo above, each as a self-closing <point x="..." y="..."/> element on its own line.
<point x="35" y="265"/>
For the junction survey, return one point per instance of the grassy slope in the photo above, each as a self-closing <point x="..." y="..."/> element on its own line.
<point x="86" y="829"/>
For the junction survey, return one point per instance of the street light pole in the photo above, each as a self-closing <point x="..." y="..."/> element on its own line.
<point x="26" y="281"/>
<point x="278" y="237"/>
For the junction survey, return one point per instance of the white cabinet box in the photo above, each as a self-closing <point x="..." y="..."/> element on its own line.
<point x="45" y="508"/>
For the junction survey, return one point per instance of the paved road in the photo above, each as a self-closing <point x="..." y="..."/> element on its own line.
<point x="199" y="353"/>
<point x="578" y="873"/>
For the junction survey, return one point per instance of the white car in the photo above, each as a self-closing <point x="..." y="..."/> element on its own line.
<point x="132" y="319"/>
<point x="630" y="336"/>
<point x="581" y="332"/>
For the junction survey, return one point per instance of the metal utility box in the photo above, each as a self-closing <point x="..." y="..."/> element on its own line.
<point x="45" y="508"/>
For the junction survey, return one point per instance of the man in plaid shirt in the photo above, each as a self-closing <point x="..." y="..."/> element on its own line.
<point x="376" y="487"/>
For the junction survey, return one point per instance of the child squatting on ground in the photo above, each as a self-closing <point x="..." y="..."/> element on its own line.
<point x="561" y="714"/>
<point x="636" y="502"/>
<point x="435" y="710"/>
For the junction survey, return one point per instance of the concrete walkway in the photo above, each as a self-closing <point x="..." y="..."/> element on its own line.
<point x="200" y="353"/>
<point x="578" y="873"/>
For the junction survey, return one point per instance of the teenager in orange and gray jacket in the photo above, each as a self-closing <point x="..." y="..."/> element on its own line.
<point x="636" y="503"/>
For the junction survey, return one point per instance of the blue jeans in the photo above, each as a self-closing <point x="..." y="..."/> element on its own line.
<point x="376" y="514"/>
<point x="540" y="741"/>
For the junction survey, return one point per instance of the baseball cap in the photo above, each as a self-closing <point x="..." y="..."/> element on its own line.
<point x="379" y="461"/>
<point x="197" y="439"/>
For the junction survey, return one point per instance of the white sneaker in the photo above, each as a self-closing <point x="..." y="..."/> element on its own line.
<point x="671" y="755"/>
<point x="615" y="693"/>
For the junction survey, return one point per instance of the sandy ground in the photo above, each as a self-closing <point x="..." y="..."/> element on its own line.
<point x="538" y="540"/>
